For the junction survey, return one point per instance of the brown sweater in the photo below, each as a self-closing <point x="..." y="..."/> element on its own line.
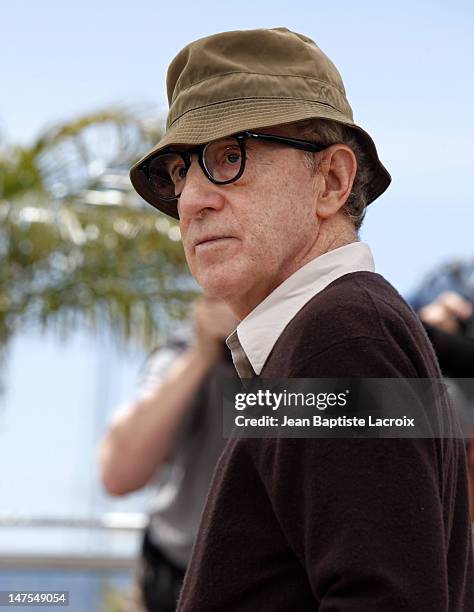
<point x="340" y="525"/>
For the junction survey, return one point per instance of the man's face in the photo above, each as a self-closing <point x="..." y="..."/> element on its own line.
<point x="244" y="239"/>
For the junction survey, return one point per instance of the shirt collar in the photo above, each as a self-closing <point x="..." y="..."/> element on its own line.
<point x="255" y="336"/>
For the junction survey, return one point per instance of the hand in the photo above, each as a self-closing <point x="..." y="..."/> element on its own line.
<point x="446" y="311"/>
<point x="214" y="322"/>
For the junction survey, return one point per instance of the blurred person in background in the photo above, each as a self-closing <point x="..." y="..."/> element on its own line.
<point x="445" y="304"/>
<point x="170" y="438"/>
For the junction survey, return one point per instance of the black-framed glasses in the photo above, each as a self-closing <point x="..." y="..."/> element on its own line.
<point x="222" y="161"/>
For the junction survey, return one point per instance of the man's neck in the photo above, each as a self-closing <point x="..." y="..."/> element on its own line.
<point x="332" y="234"/>
<point x="331" y="238"/>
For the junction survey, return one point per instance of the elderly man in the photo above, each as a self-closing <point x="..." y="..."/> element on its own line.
<point x="270" y="177"/>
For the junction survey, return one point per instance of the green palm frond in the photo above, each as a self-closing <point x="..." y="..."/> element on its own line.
<point x="118" y="269"/>
<point x="65" y="262"/>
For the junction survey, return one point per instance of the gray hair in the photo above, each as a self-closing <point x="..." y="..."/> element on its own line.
<point x="329" y="132"/>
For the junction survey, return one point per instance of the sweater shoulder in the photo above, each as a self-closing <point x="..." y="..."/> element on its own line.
<point x="357" y="307"/>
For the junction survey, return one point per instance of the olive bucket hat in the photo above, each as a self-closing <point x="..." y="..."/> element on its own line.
<point x="244" y="80"/>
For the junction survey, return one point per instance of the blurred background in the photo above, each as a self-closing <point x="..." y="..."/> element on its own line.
<point x="92" y="278"/>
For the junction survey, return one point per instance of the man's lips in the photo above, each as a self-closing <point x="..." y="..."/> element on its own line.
<point x="209" y="240"/>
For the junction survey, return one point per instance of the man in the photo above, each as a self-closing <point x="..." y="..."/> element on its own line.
<point x="270" y="177"/>
<point x="170" y="437"/>
<point x="444" y="303"/>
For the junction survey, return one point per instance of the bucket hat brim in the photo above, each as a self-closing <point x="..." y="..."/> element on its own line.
<point x="202" y="125"/>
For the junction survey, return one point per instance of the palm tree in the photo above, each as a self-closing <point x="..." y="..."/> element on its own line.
<point x="77" y="246"/>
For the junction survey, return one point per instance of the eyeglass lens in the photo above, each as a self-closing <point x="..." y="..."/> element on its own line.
<point x="222" y="160"/>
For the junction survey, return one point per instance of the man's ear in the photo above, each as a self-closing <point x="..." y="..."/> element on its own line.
<point x="337" y="167"/>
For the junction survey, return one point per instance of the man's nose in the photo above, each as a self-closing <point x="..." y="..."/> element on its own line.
<point x="198" y="194"/>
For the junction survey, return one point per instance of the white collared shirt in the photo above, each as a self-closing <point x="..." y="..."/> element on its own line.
<point x="251" y="343"/>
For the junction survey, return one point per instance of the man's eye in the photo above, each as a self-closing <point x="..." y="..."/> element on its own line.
<point x="178" y="173"/>
<point x="232" y="157"/>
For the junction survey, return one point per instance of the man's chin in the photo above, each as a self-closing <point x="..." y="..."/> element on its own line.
<point x="218" y="283"/>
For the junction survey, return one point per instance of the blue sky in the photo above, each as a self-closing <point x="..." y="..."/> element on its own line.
<point x="407" y="67"/>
